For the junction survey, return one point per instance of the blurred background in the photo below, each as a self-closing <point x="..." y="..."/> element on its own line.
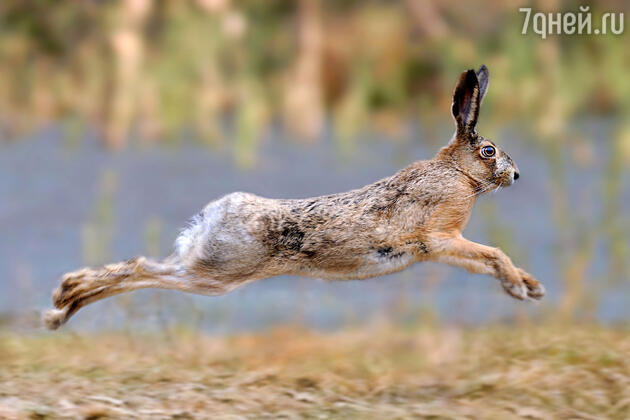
<point x="121" y="119"/>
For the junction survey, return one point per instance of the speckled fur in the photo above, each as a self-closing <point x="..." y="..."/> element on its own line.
<point x="417" y="214"/>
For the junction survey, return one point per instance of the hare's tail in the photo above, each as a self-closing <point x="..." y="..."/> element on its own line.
<point x="87" y="285"/>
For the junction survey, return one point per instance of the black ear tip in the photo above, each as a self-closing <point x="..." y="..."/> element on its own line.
<point x="471" y="77"/>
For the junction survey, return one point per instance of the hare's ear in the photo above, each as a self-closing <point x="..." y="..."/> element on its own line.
<point x="483" y="77"/>
<point x="466" y="101"/>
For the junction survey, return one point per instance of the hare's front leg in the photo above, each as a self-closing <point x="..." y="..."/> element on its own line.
<point x="535" y="289"/>
<point x="477" y="258"/>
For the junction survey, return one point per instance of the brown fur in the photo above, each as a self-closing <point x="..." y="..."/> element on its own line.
<point x="415" y="215"/>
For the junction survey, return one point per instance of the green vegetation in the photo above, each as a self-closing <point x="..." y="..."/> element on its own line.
<point x="150" y="68"/>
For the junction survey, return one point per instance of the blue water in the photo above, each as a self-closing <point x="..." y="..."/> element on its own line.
<point x="50" y="190"/>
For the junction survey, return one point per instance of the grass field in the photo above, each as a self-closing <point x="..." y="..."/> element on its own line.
<point x="500" y="372"/>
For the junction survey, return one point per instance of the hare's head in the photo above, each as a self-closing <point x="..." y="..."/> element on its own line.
<point x="476" y="156"/>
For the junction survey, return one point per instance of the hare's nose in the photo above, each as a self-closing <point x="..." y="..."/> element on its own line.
<point x="516" y="175"/>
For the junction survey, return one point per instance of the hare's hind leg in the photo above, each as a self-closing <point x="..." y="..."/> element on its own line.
<point x="483" y="259"/>
<point x="87" y="285"/>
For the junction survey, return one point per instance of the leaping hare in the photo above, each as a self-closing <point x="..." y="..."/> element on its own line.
<point x="415" y="215"/>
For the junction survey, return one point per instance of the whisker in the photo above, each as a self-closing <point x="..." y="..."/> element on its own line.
<point x="480" y="190"/>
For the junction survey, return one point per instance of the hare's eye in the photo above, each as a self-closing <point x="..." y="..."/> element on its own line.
<point x="488" y="151"/>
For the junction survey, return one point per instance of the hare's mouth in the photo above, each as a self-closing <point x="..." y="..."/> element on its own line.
<point x="507" y="178"/>
<point x="504" y="181"/>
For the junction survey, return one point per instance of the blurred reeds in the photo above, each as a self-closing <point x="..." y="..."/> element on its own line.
<point x="148" y="69"/>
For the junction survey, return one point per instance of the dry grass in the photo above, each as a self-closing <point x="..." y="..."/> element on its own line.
<point x="495" y="373"/>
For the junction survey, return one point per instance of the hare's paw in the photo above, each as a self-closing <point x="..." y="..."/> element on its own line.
<point x="72" y="285"/>
<point x="535" y="289"/>
<point x="516" y="290"/>
<point x="55" y="318"/>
